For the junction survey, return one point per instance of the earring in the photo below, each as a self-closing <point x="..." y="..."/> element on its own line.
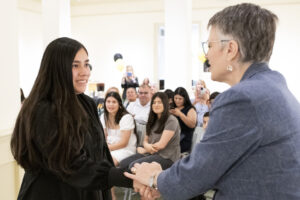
<point x="229" y="68"/>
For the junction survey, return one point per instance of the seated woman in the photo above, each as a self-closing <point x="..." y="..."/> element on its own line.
<point x="161" y="142"/>
<point x="187" y="118"/>
<point x="119" y="128"/>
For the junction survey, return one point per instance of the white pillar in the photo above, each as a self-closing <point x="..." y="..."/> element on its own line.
<point x="10" y="97"/>
<point x="178" y="25"/>
<point x="9" y="81"/>
<point x="56" y="19"/>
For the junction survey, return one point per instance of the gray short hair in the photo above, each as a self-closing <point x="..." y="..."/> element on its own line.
<point x="251" y="26"/>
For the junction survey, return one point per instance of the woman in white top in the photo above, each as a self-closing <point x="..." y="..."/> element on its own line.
<point x="119" y="128"/>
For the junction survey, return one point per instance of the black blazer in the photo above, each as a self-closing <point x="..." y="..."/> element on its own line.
<point x="94" y="173"/>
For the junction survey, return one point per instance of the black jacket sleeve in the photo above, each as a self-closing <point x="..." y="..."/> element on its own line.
<point x="88" y="173"/>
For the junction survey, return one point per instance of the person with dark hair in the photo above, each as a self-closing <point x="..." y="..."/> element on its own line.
<point x="161" y="143"/>
<point x="186" y="114"/>
<point x="205" y="120"/>
<point x="58" y="138"/>
<point x="170" y="95"/>
<point x="119" y="128"/>
<point x="250" y="148"/>
<point x="212" y="99"/>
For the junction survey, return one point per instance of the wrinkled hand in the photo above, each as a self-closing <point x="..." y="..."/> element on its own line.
<point x="145" y="191"/>
<point x="143" y="172"/>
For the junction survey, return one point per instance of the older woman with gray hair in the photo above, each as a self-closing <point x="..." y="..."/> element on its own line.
<point x="250" y="149"/>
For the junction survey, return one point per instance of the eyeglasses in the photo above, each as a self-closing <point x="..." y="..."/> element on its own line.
<point x="205" y="45"/>
<point x="143" y="93"/>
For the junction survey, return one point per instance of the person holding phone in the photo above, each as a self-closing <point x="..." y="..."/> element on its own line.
<point x="200" y="101"/>
<point x="129" y="80"/>
<point x="186" y="115"/>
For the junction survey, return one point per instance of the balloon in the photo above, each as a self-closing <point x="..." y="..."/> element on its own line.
<point x="120" y="65"/>
<point x="202" y="57"/>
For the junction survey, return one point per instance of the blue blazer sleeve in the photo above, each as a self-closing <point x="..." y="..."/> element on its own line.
<point x="231" y="136"/>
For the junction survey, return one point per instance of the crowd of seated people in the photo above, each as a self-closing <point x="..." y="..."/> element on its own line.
<point x="188" y="111"/>
<point x="162" y="141"/>
<point x="169" y="118"/>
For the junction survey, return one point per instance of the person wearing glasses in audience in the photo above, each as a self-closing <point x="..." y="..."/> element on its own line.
<point x="250" y="149"/>
<point x="141" y="107"/>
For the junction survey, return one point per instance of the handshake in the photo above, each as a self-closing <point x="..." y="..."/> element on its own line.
<point x="144" y="178"/>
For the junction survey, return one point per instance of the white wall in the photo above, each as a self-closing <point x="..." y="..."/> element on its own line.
<point x="286" y="54"/>
<point x="129" y="29"/>
<point x="132" y="35"/>
<point x="30" y="47"/>
<point x="9" y="81"/>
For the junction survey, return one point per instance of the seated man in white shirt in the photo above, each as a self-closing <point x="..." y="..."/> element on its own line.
<point x="141" y="107"/>
<point x="131" y="96"/>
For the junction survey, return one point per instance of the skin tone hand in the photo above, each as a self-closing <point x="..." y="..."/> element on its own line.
<point x="143" y="172"/>
<point x="141" y="150"/>
<point x="156" y="146"/>
<point x="175" y="111"/>
<point x="138" y="187"/>
<point x="150" y="149"/>
<point x="149" y="193"/>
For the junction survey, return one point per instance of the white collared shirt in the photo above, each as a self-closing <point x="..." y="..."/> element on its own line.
<point x="139" y="112"/>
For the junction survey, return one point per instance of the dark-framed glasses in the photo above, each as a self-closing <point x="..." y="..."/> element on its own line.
<point x="206" y="45"/>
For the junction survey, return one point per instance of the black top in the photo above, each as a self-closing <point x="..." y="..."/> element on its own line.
<point x="186" y="134"/>
<point x="94" y="172"/>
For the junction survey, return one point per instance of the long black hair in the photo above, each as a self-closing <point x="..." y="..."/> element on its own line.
<point x="182" y="92"/>
<point x="120" y="113"/>
<point x="153" y="116"/>
<point x="53" y="87"/>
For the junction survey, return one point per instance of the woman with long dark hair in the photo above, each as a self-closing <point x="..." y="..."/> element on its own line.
<point x="186" y="114"/>
<point x="119" y="128"/>
<point x="58" y="138"/>
<point x="161" y="142"/>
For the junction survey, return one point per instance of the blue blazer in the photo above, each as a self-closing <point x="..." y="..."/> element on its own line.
<point x="251" y="148"/>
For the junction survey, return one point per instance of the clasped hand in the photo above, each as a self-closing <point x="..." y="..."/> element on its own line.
<point x="141" y="174"/>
